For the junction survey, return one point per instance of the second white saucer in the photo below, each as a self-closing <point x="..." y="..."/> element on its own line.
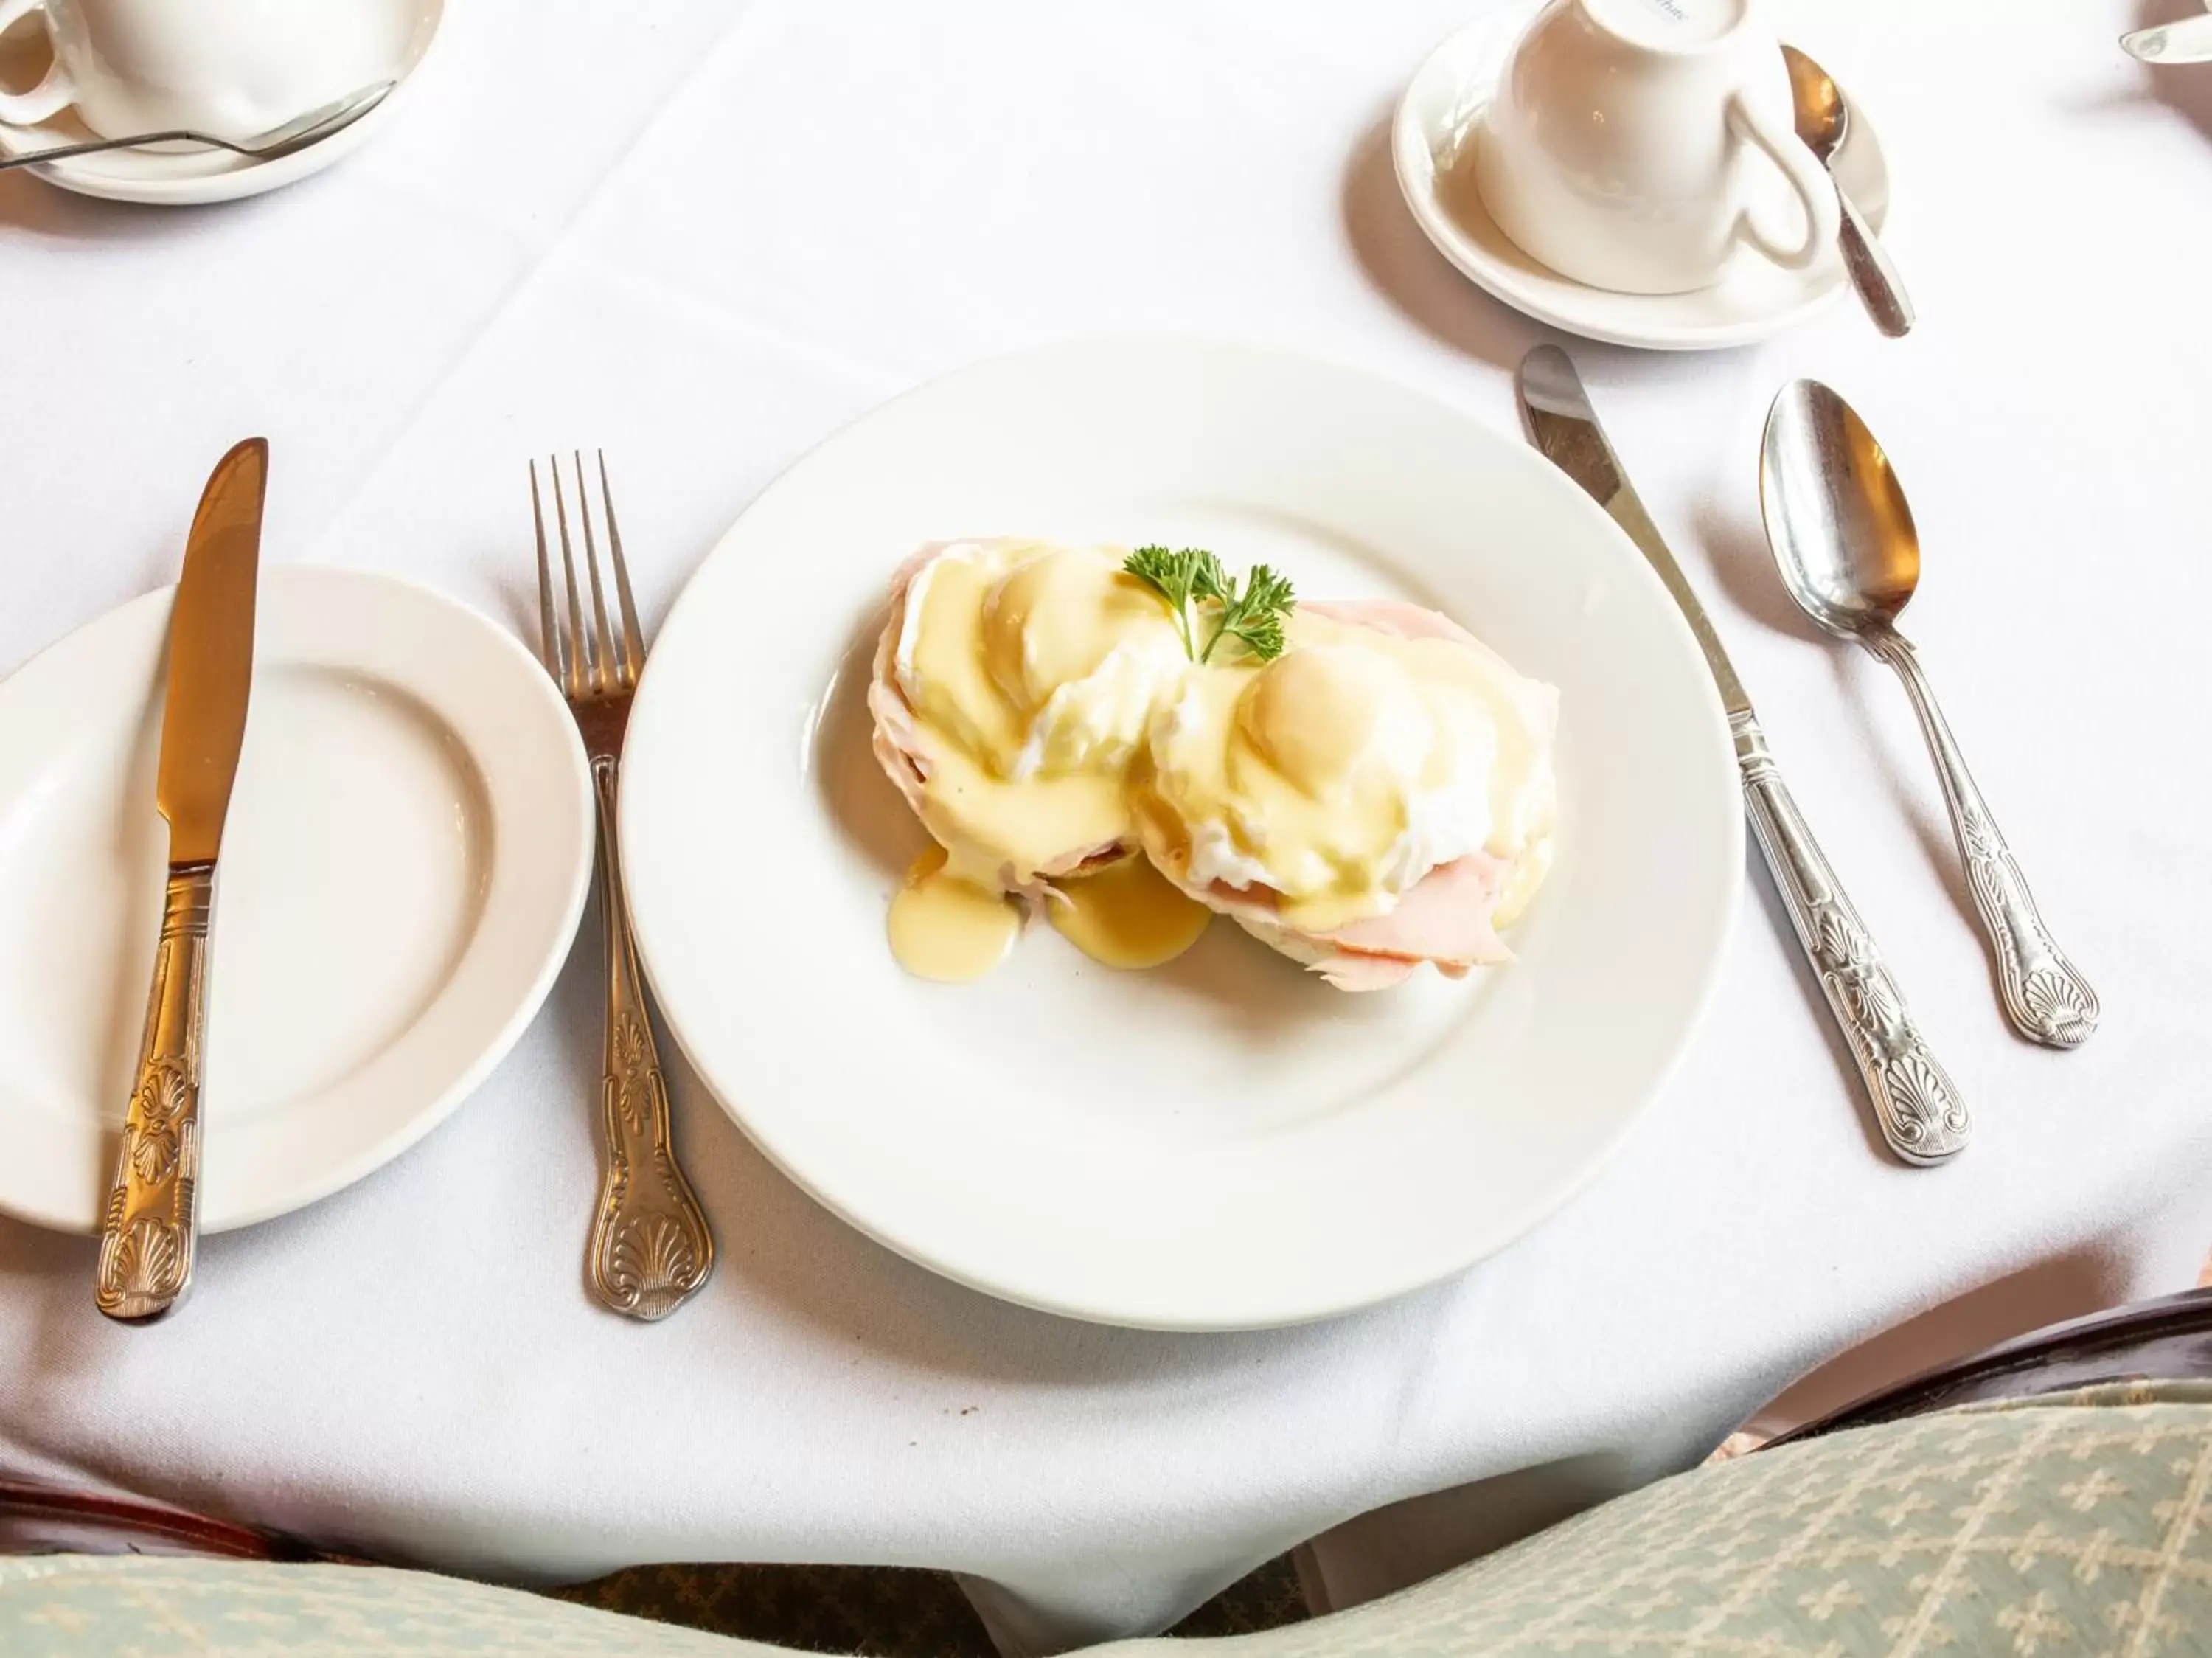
<point x="405" y="859"/>
<point x="1431" y="145"/>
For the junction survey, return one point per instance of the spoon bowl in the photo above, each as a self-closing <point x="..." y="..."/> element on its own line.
<point x="1836" y="517"/>
<point x="1821" y="117"/>
<point x="316" y="125"/>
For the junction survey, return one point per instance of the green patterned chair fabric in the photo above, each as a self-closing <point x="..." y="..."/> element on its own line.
<point x="2073" y="1524"/>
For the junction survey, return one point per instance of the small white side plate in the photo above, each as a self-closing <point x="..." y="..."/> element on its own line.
<point x="1432" y="143"/>
<point x="406" y="855"/>
<point x="187" y="177"/>
<point x="1226" y="1142"/>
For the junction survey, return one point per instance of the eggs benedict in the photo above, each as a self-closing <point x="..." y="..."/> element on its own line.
<point x="1378" y="795"/>
<point x="1135" y="741"/>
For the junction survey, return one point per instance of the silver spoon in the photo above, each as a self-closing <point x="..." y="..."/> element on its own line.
<point x="296" y="134"/>
<point x="1843" y="539"/>
<point x="1822" y="121"/>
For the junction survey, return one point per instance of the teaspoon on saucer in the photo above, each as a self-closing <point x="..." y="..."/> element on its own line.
<point x="293" y="135"/>
<point x="1823" y="120"/>
<point x="1844" y="542"/>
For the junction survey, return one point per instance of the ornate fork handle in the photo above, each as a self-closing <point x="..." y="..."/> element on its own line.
<point x="149" y="1227"/>
<point x="650" y="1245"/>
<point x="1919" y="1110"/>
<point x="2045" y="995"/>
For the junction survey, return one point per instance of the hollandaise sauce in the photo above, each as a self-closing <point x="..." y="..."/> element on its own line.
<point x="946" y="928"/>
<point x="1126" y="915"/>
<point x="1032" y="672"/>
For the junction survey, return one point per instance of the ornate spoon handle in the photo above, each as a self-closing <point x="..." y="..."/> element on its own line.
<point x="149" y="1226"/>
<point x="2045" y="995"/>
<point x="650" y="1247"/>
<point x="1914" y="1104"/>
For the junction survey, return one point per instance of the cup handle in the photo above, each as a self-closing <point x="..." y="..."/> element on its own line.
<point x="1815" y="189"/>
<point x="53" y="94"/>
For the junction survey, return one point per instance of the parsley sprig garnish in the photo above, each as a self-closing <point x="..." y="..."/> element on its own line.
<point x="1255" y="616"/>
<point x="1190" y="576"/>
<point x="1174" y="576"/>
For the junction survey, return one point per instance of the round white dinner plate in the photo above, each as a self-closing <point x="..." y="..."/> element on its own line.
<point x="1226" y="1142"/>
<point x="408" y="845"/>
<point x="1432" y="146"/>
<point x="181" y="177"/>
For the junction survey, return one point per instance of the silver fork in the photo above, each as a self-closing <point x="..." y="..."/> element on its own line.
<point x="650" y="1247"/>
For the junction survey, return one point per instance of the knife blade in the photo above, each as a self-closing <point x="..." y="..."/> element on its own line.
<point x="1919" y="1110"/>
<point x="211" y="655"/>
<point x="1564" y="427"/>
<point x="149" y="1224"/>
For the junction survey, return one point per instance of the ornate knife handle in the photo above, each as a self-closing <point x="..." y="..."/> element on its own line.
<point x="650" y="1247"/>
<point x="1918" y="1109"/>
<point x="2043" y="994"/>
<point x="149" y="1229"/>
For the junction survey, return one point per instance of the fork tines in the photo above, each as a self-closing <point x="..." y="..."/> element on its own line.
<point x="585" y="660"/>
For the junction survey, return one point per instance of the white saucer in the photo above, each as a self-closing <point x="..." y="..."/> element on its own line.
<point x="405" y="862"/>
<point x="187" y="177"/>
<point x="1432" y="143"/>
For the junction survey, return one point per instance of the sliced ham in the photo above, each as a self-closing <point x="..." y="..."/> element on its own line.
<point x="1445" y="916"/>
<point x="1442" y="919"/>
<point x="900" y="747"/>
<point x="1402" y="621"/>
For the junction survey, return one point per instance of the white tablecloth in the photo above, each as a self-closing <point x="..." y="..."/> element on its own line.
<point x="703" y="235"/>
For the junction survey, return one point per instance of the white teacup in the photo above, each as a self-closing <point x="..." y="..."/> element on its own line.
<point x="235" y="68"/>
<point x="1613" y="149"/>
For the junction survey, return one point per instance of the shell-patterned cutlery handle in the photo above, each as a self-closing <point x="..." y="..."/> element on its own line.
<point x="149" y="1224"/>
<point x="2044" y="993"/>
<point x="650" y="1246"/>
<point x="1916" y="1105"/>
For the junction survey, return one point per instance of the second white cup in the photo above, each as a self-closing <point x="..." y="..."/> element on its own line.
<point x="1625" y="145"/>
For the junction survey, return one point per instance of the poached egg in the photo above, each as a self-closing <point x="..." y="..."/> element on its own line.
<point x="1384" y="743"/>
<point x="1016" y="683"/>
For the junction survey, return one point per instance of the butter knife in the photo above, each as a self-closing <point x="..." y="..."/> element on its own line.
<point x="149" y="1228"/>
<point x="1920" y="1114"/>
